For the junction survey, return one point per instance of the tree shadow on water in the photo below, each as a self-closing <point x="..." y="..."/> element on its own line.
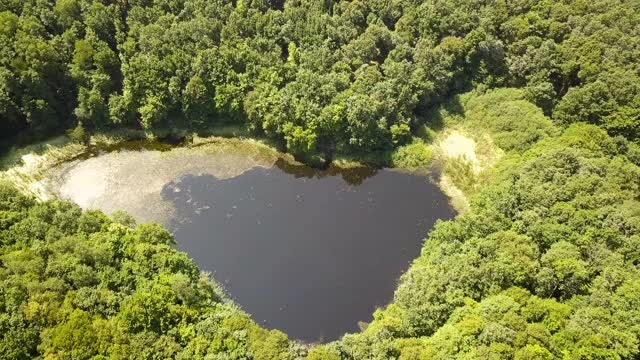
<point x="353" y="176"/>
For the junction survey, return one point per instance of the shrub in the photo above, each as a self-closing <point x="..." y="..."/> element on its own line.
<point x="415" y="156"/>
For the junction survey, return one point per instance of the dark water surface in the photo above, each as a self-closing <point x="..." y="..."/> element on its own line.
<point x="310" y="253"/>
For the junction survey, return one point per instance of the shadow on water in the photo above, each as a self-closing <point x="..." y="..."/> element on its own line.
<point x="353" y="176"/>
<point x="310" y="252"/>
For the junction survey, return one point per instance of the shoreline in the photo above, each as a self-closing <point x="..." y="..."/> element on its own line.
<point x="453" y="151"/>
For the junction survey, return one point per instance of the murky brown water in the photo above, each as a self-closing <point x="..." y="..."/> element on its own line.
<point x="308" y="252"/>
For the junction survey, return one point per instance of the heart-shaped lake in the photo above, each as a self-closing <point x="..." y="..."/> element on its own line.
<point x="311" y="253"/>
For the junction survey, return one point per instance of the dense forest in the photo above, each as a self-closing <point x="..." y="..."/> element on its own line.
<point x="322" y="76"/>
<point x="544" y="265"/>
<point x="80" y="285"/>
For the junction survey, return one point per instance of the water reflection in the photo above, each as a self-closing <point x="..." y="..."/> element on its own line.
<point x="306" y="251"/>
<point x="353" y="176"/>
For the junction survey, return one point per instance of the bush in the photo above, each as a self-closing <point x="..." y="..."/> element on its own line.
<point x="77" y="134"/>
<point x="415" y="156"/>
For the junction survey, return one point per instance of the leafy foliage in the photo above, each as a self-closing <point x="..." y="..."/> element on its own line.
<point x="544" y="264"/>
<point x="541" y="266"/>
<point x="320" y="76"/>
<point x="78" y="285"/>
<point x="413" y="156"/>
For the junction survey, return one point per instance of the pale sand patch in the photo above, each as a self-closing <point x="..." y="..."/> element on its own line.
<point x="133" y="180"/>
<point x="478" y="151"/>
<point x="456" y="145"/>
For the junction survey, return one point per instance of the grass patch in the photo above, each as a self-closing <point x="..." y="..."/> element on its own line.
<point x="28" y="167"/>
<point x="462" y="173"/>
<point x="14" y="155"/>
<point x="252" y="148"/>
<point x="375" y="159"/>
<point x="465" y="156"/>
